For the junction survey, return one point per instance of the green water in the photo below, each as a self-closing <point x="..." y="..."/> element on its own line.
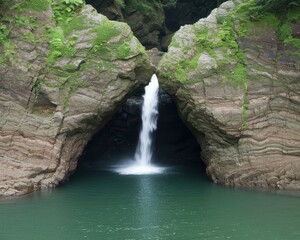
<point x="180" y="204"/>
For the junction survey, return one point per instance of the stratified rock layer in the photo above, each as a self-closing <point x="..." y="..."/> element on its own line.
<point x="238" y="90"/>
<point x="50" y="109"/>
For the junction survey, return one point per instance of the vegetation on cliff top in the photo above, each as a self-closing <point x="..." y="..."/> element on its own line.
<point x="231" y="29"/>
<point x="61" y="35"/>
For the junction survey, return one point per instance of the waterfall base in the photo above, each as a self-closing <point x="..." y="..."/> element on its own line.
<point x="138" y="169"/>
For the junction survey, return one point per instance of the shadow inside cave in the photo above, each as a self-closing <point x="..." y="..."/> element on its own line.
<point x="173" y="143"/>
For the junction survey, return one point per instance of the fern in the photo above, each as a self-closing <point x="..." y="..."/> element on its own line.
<point x="3" y="33"/>
<point x="63" y="10"/>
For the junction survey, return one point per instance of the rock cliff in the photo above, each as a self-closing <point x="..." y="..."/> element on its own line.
<point x="235" y="78"/>
<point x="63" y="74"/>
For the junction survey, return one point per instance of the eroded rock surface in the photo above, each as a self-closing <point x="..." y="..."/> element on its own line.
<point x="236" y="84"/>
<point x="50" y="105"/>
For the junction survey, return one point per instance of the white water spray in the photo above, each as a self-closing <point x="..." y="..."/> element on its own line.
<point x="143" y="154"/>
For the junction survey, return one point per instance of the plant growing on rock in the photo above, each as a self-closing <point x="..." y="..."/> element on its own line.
<point x="58" y="45"/>
<point x="3" y="33"/>
<point x="120" y="3"/>
<point x="63" y="10"/>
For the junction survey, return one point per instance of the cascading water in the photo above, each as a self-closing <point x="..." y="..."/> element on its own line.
<point x="149" y="122"/>
<point x="143" y="154"/>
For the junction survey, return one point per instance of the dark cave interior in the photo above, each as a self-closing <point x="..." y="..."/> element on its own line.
<point x="173" y="143"/>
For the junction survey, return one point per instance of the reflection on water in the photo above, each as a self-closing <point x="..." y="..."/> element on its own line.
<point x="180" y="204"/>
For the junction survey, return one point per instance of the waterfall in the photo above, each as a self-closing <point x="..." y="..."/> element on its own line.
<point x="149" y="122"/>
<point x="142" y="159"/>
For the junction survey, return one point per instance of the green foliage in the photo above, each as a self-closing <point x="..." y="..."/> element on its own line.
<point x="293" y="15"/>
<point x="278" y="7"/>
<point x="30" y="37"/>
<point x="120" y="3"/>
<point x="202" y="36"/>
<point x="9" y="50"/>
<point x="169" y="3"/>
<point x="123" y="50"/>
<point x="33" y="5"/>
<point x="76" y="22"/>
<point x="3" y="33"/>
<point x="64" y="9"/>
<point x="279" y="14"/>
<point x="36" y="88"/>
<point x="143" y="6"/>
<point x="104" y="33"/>
<point x="3" y="3"/>
<point x="59" y="46"/>
<point x="57" y="42"/>
<point x="181" y="74"/>
<point x="238" y="75"/>
<point x="141" y="49"/>
<point x="152" y="8"/>
<point x="2" y="62"/>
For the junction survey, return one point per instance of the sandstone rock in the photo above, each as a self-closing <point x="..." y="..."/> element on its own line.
<point x="244" y="111"/>
<point x="49" y="111"/>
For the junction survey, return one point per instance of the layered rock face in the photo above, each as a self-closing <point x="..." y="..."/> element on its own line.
<point x="236" y="84"/>
<point x="59" y="83"/>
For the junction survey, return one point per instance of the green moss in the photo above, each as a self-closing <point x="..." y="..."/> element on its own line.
<point x="181" y="74"/>
<point x="9" y="50"/>
<point x="104" y="33"/>
<point x="124" y="50"/>
<point x="202" y="36"/>
<point x="263" y="14"/>
<point x="194" y="62"/>
<point x="239" y="76"/>
<point x="76" y="22"/>
<point x="141" y="49"/>
<point x="29" y="36"/>
<point x="173" y="43"/>
<point x="33" y="5"/>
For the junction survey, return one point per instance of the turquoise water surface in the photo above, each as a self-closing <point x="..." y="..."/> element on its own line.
<point x="179" y="204"/>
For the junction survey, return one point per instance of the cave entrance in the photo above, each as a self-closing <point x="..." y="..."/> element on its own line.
<point x="173" y="143"/>
<point x="154" y="22"/>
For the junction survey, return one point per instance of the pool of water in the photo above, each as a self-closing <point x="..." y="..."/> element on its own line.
<point x="178" y="204"/>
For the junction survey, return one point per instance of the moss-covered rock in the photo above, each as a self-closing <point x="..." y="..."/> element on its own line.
<point x="154" y="22"/>
<point x="235" y="78"/>
<point x="59" y="86"/>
